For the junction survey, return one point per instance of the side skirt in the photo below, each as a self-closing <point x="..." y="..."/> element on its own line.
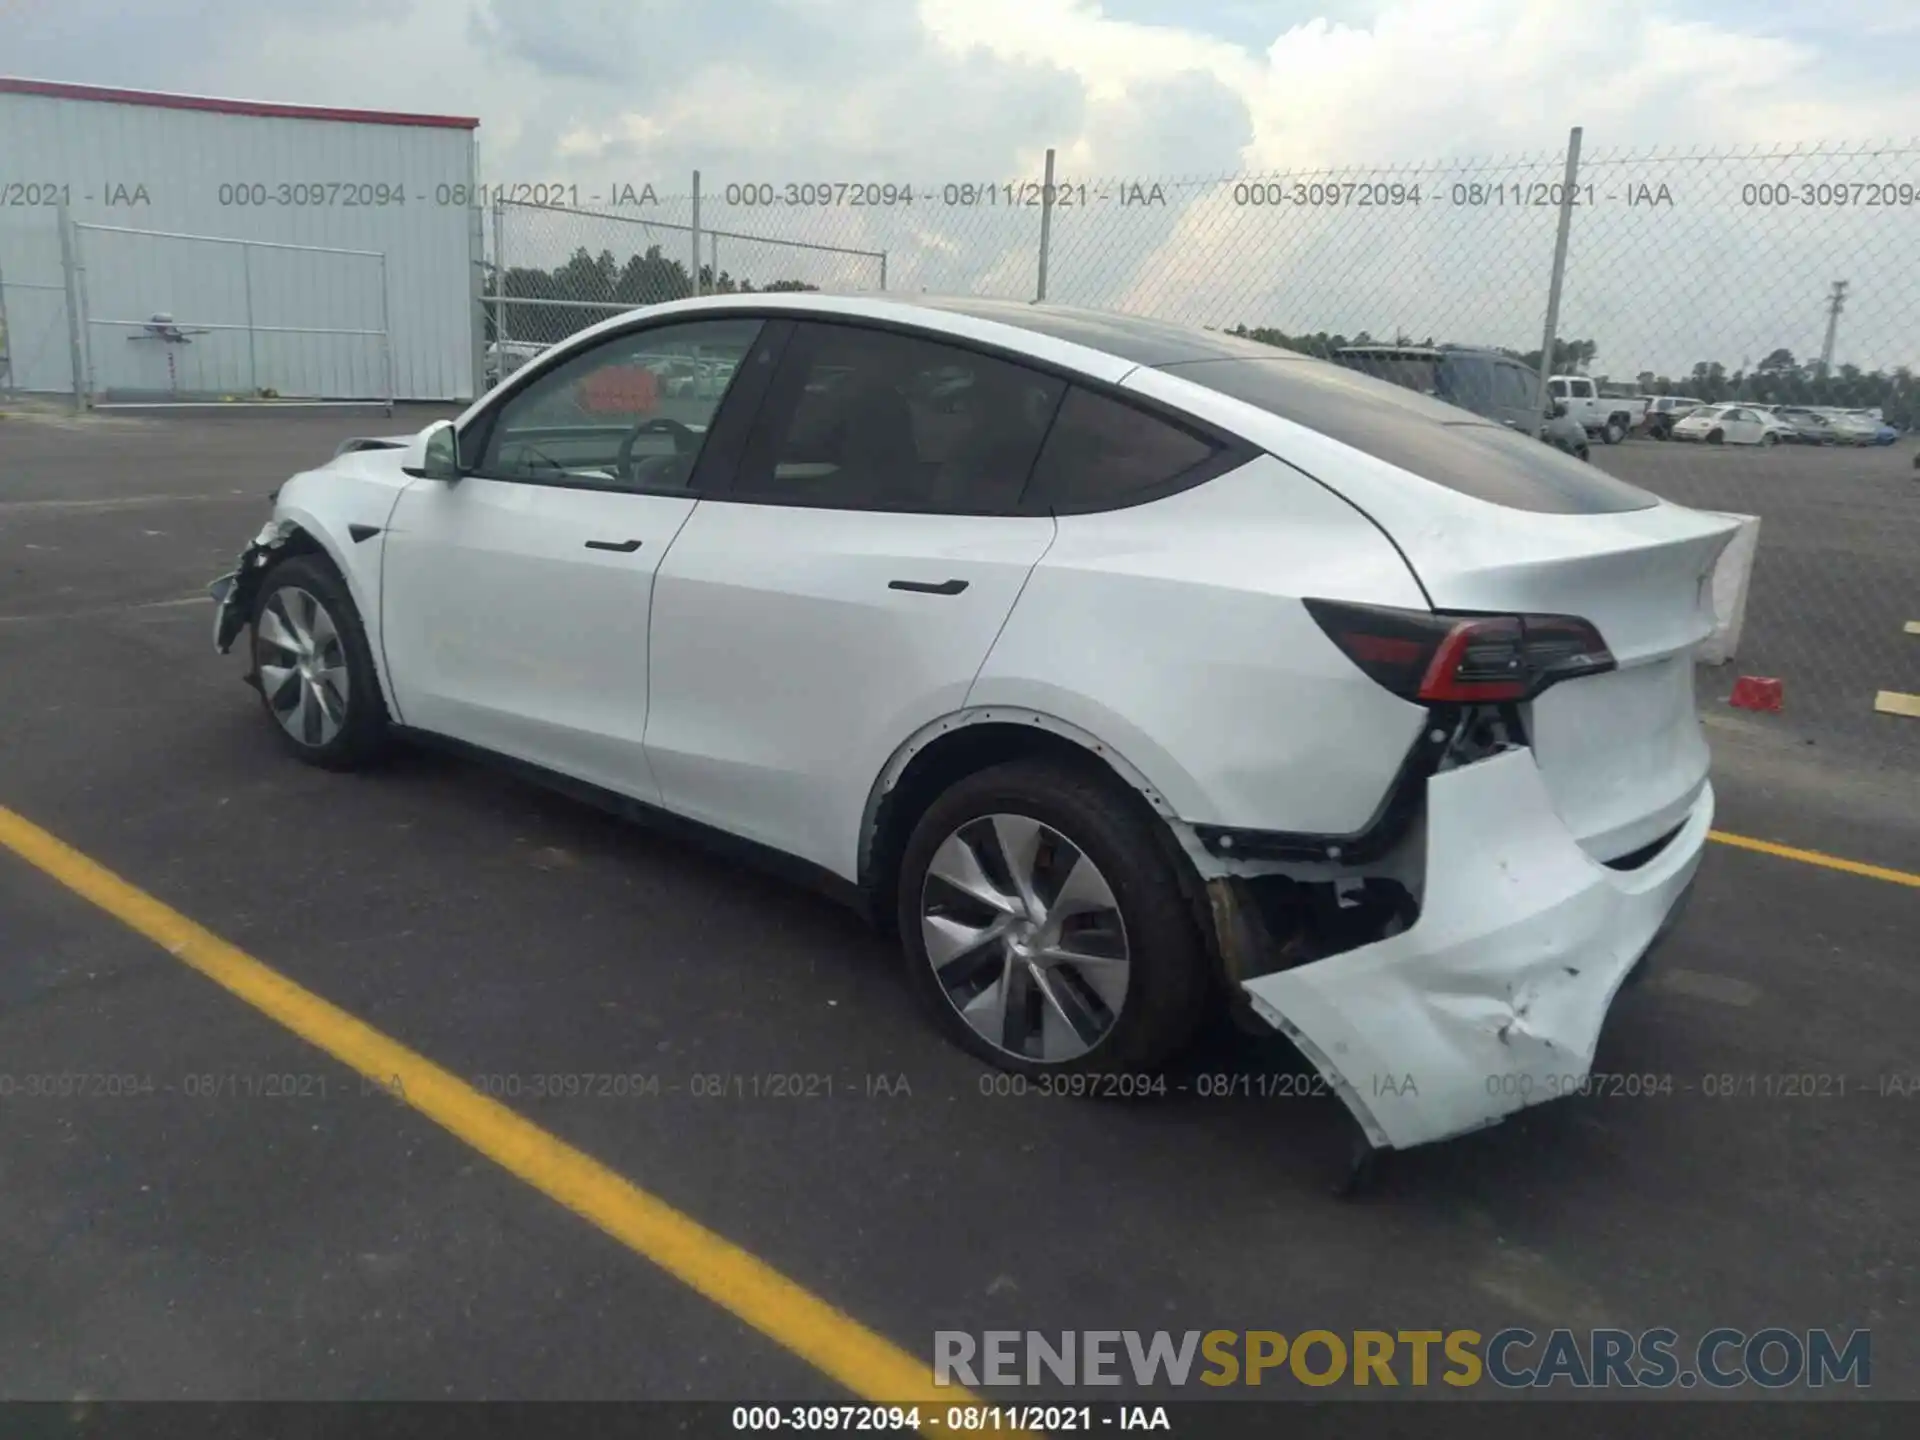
<point x="721" y="843"/>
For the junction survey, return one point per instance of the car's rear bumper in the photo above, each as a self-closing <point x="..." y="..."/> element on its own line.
<point x="1494" y="998"/>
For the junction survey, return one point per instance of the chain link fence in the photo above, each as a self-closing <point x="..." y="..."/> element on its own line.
<point x="1784" y="283"/>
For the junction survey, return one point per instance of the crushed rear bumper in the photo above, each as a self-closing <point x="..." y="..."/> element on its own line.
<point x="1493" y="999"/>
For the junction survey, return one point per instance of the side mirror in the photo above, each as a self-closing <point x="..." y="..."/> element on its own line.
<point x="433" y="454"/>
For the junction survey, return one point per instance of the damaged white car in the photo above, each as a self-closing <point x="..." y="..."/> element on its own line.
<point x="1117" y="667"/>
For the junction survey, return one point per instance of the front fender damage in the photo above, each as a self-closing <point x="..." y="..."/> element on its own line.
<point x="1493" y="998"/>
<point x="233" y="593"/>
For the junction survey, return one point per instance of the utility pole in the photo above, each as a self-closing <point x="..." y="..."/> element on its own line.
<point x="1834" y="303"/>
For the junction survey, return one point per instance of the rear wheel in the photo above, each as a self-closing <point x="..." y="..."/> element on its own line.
<point x="313" y="666"/>
<point x="1044" y="925"/>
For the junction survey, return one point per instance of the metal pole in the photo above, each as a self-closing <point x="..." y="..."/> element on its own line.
<point x="477" y="263"/>
<point x="713" y="262"/>
<point x="253" y="366"/>
<point x="696" y="232"/>
<point x="883" y="269"/>
<point x="386" y="333"/>
<point x="1559" y="274"/>
<point x="499" y="295"/>
<point x="1834" y="302"/>
<point x="1046" y="226"/>
<point x="6" y="343"/>
<point x="70" y="272"/>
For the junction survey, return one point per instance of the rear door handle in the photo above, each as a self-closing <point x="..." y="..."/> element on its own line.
<point x="625" y="547"/>
<point x="923" y="587"/>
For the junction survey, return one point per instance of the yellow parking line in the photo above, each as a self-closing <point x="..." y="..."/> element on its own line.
<point x="1913" y="627"/>
<point x="825" y="1337"/>
<point x="1815" y="857"/>
<point x="1894" y="702"/>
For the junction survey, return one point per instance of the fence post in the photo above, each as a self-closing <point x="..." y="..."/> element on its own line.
<point x="386" y="331"/>
<point x="1559" y="274"/>
<point x="499" y="296"/>
<point x="713" y="260"/>
<point x="883" y="270"/>
<point x="696" y="232"/>
<point x="1046" y="226"/>
<point x="70" y="274"/>
<point x="6" y="343"/>
<point x="246" y="282"/>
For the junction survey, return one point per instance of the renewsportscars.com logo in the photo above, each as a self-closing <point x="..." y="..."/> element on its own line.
<point x="1513" y="1359"/>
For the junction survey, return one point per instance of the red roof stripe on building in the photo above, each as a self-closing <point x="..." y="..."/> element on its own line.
<point x="57" y="90"/>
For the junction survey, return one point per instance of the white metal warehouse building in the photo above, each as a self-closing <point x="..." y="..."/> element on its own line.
<point x="359" y="281"/>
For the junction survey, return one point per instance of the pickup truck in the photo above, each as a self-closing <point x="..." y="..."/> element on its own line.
<point x="1609" y="417"/>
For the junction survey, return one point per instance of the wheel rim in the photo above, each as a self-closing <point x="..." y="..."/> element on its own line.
<point x="1025" y="938"/>
<point x="303" y="666"/>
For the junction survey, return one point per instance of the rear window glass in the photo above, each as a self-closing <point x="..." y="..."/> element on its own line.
<point x="1418" y="373"/>
<point x="1427" y="436"/>
<point x="1101" y="453"/>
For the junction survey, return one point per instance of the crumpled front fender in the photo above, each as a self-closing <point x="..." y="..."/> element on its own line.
<point x="234" y="592"/>
<point x="1494" y="998"/>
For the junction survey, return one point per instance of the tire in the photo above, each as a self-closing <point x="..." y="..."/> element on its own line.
<point x="1716" y="437"/>
<point x="327" y="711"/>
<point x="1144" y="1014"/>
<point x="1584" y="453"/>
<point x="1662" y="433"/>
<point x="1613" y="432"/>
<point x="1769" y="440"/>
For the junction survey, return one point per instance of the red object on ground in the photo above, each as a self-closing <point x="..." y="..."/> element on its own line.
<point x="1756" y="692"/>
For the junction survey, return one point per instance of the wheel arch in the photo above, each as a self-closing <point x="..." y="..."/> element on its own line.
<point x="946" y="750"/>
<point x="303" y="534"/>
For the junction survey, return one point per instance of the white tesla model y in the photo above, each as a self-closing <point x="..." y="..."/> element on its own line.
<point x="1118" y="667"/>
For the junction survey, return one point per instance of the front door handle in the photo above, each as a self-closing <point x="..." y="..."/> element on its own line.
<point x="624" y="547"/>
<point x="923" y="587"/>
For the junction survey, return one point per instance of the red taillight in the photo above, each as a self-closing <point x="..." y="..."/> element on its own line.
<point x="1462" y="659"/>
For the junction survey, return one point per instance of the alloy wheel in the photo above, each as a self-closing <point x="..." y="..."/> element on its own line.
<point x="1025" y="938"/>
<point x="302" y="663"/>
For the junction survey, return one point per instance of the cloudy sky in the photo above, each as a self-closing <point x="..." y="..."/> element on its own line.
<point x="931" y="91"/>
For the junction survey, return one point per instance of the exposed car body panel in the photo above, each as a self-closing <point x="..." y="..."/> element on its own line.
<point x="1494" y="998"/>
<point x="1169" y="630"/>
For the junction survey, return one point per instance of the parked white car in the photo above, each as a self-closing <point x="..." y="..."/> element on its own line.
<point x="1729" y="425"/>
<point x="1114" y="665"/>
<point x="1662" y="412"/>
<point x="1612" y="418"/>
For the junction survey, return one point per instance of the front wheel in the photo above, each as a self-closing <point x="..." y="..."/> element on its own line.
<point x="1614" y="432"/>
<point x="1716" y="437"/>
<point x="313" y="668"/>
<point x="1769" y="440"/>
<point x="1044" y="925"/>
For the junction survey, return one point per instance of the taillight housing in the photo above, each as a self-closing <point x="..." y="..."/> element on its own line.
<point x="1435" y="659"/>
